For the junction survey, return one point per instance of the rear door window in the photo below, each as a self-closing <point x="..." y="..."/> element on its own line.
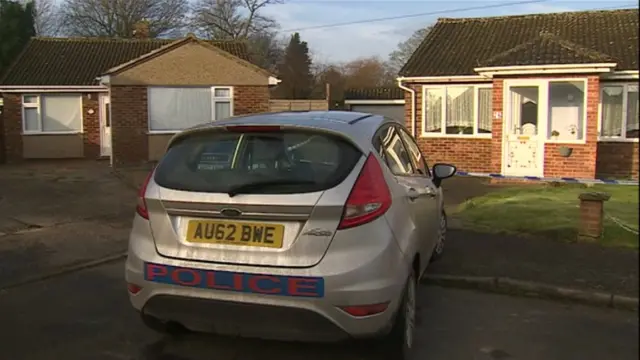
<point x="416" y="154"/>
<point x="392" y="150"/>
<point x="290" y="161"/>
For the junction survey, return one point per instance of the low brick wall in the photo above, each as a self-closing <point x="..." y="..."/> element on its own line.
<point x="617" y="160"/>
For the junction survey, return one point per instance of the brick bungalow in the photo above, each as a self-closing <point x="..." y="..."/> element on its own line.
<point x="545" y="95"/>
<point x="122" y="98"/>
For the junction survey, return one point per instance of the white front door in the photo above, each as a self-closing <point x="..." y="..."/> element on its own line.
<point x="525" y="127"/>
<point x="105" y="125"/>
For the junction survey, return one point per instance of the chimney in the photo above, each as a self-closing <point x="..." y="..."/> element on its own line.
<point x="141" y="30"/>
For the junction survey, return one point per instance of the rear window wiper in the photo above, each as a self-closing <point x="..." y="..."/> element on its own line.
<point x="251" y="187"/>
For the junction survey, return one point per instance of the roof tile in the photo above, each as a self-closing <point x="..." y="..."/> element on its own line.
<point x="377" y="93"/>
<point x="78" y="61"/>
<point x="457" y="46"/>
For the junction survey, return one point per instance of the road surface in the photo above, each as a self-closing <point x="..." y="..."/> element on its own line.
<point x="86" y="315"/>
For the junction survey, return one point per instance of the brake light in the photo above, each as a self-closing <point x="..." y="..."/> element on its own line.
<point x="370" y="197"/>
<point x="252" y="128"/>
<point x="141" y="206"/>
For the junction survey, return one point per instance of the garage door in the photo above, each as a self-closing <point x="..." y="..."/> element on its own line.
<point x="393" y="111"/>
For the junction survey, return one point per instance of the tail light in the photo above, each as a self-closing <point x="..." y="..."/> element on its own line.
<point x="141" y="206"/>
<point x="370" y="197"/>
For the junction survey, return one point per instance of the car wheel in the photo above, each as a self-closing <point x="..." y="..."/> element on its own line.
<point x="399" y="342"/>
<point x="167" y="328"/>
<point x="442" y="235"/>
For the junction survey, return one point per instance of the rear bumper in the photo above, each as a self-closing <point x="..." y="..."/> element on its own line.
<point x="374" y="275"/>
<point x="250" y="320"/>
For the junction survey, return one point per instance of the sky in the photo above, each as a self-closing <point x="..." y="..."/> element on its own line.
<point x="344" y="43"/>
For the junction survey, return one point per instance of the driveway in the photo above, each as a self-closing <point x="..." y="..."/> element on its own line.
<point x="55" y="214"/>
<point x="86" y="315"/>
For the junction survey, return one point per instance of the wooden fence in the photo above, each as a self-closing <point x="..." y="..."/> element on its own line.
<point x="298" y="105"/>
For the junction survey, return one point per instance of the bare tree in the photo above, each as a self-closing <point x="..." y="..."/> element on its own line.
<point x="118" y="18"/>
<point x="405" y="49"/>
<point x="267" y="49"/>
<point x="233" y="19"/>
<point x="367" y="72"/>
<point x="45" y="15"/>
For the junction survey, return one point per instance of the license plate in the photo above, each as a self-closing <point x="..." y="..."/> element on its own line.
<point x="235" y="233"/>
<point x="265" y="284"/>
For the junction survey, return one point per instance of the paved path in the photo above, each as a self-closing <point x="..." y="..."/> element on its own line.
<point x="86" y="315"/>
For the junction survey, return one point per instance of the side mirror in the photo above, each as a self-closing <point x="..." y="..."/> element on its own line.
<point x="441" y="172"/>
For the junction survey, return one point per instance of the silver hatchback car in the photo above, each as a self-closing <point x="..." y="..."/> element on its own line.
<point x="310" y="226"/>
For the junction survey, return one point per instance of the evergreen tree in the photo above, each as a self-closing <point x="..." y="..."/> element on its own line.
<point x="295" y="71"/>
<point x="16" y="28"/>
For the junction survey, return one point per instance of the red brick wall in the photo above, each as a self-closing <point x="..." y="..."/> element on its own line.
<point x="129" y="125"/>
<point x="496" y="127"/>
<point x="250" y="99"/>
<point x="12" y="127"/>
<point x="467" y="154"/>
<point x="129" y="115"/>
<point x="91" y="125"/>
<point x="617" y="160"/>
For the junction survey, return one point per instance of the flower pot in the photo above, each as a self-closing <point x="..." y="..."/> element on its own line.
<point x="565" y="151"/>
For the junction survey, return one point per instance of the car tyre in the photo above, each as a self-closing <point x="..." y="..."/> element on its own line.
<point x="398" y="344"/>
<point x="165" y="328"/>
<point x="438" y="250"/>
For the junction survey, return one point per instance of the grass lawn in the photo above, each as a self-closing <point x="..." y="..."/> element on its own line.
<point x="550" y="211"/>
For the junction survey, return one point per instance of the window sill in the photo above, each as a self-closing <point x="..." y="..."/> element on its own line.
<point x="51" y="133"/>
<point x="569" y="142"/>
<point x="613" y="139"/>
<point x="456" y="136"/>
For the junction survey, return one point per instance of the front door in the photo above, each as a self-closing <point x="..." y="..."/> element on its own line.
<point x="524" y="127"/>
<point x="105" y="125"/>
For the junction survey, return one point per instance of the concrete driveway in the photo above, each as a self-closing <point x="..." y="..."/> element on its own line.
<point x="86" y="315"/>
<point x="54" y="214"/>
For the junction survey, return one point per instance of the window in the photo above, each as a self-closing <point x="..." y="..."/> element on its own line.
<point x="416" y="155"/>
<point x="457" y="110"/>
<point x="289" y="161"/>
<point x="175" y="109"/>
<point x="566" y="112"/>
<point x="52" y="114"/>
<point x="393" y="152"/>
<point x="619" y="111"/>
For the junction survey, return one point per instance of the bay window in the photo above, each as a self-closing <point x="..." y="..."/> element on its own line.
<point x="172" y="109"/>
<point x="457" y="110"/>
<point x="619" y="111"/>
<point x="52" y="114"/>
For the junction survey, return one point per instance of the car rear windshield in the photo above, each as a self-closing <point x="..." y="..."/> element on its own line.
<point x="283" y="162"/>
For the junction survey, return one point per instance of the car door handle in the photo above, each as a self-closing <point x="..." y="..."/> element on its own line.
<point x="412" y="194"/>
<point x="430" y="192"/>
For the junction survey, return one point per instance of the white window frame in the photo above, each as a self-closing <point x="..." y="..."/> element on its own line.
<point x="38" y="105"/>
<point x="625" y="100"/>
<point x="443" y="128"/>
<point x="585" y="122"/>
<point x="214" y="99"/>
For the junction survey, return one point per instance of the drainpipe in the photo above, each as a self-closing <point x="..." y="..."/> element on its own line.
<point x="413" y="104"/>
